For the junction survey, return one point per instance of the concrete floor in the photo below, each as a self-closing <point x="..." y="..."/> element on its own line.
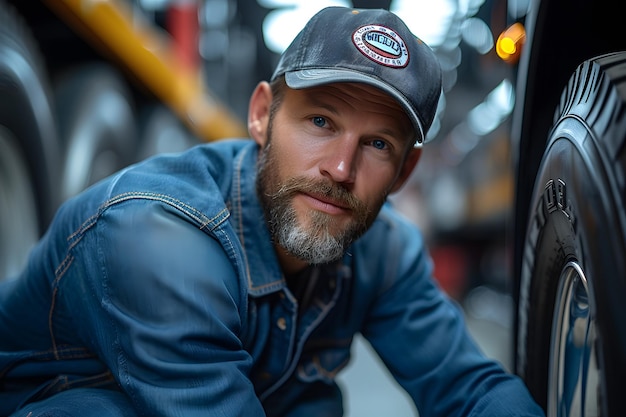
<point x="369" y="391"/>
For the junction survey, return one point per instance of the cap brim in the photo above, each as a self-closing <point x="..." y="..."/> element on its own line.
<point x="315" y="77"/>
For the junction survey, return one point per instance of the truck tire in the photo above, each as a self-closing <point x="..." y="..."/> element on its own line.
<point x="571" y="332"/>
<point x="95" y="114"/>
<point x="29" y="149"/>
<point x="161" y="131"/>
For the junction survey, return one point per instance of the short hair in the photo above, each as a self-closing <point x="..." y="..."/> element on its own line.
<point x="278" y="87"/>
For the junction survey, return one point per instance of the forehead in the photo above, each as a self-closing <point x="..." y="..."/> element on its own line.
<point x="356" y="91"/>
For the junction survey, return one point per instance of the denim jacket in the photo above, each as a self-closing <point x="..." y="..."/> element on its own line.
<point x="161" y="282"/>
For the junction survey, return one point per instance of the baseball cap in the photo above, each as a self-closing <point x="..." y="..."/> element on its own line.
<point x="371" y="46"/>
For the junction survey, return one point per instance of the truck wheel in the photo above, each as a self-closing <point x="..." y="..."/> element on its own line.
<point x="29" y="149"/>
<point x="96" y="123"/>
<point x="571" y="332"/>
<point x="161" y="131"/>
<point x="18" y="209"/>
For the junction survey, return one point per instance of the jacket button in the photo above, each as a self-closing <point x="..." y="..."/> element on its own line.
<point x="281" y="323"/>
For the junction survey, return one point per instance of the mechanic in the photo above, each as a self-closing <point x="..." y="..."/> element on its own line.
<point x="231" y="279"/>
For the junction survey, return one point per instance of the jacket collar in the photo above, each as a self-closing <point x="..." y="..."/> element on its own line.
<point x="264" y="273"/>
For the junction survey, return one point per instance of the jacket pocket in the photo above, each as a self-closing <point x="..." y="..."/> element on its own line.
<point x="322" y="361"/>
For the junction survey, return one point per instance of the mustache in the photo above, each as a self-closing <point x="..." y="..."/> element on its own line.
<point x="327" y="189"/>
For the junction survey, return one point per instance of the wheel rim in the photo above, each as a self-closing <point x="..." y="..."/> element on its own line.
<point x="18" y="214"/>
<point x="574" y="377"/>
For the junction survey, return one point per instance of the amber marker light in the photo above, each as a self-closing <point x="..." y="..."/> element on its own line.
<point x="510" y="42"/>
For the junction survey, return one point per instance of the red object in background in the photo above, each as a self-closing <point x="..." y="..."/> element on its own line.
<point x="451" y="269"/>
<point x="183" y="25"/>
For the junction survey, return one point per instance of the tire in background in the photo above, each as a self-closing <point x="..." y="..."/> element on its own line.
<point x="571" y="341"/>
<point x="161" y="131"/>
<point x="29" y="149"/>
<point x="95" y="113"/>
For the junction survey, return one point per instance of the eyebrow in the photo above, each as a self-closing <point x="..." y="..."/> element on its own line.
<point x="312" y="98"/>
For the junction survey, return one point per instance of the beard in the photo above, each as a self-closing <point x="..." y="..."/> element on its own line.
<point x="320" y="237"/>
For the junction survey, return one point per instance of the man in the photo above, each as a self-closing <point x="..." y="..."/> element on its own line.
<point x="230" y="279"/>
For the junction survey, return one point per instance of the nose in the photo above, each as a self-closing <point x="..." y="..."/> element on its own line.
<point x="340" y="160"/>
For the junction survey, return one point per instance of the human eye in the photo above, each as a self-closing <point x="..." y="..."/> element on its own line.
<point x="380" y="144"/>
<point x="319" y="121"/>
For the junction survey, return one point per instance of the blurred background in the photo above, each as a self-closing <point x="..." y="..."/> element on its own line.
<point x="111" y="82"/>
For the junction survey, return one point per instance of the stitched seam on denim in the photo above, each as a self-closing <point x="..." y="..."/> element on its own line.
<point x="62" y="380"/>
<point x="75" y="237"/>
<point x="237" y="178"/>
<point x="199" y="217"/>
<point x="50" y="327"/>
<point x="85" y="382"/>
<point x="303" y="338"/>
<point x="80" y="353"/>
<point x="58" y="273"/>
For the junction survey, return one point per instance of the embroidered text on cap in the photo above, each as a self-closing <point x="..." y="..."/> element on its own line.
<point x="382" y="45"/>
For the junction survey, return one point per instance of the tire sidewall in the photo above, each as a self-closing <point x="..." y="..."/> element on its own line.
<point x="96" y="118"/>
<point x="576" y="214"/>
<point x="28" y="126"/>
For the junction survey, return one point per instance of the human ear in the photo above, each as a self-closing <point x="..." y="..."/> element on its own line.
<point x="407" y="168"/>
<point x="259" y="112"/>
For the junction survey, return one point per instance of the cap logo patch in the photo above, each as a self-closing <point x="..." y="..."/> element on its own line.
<point x="382" y="45"/>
